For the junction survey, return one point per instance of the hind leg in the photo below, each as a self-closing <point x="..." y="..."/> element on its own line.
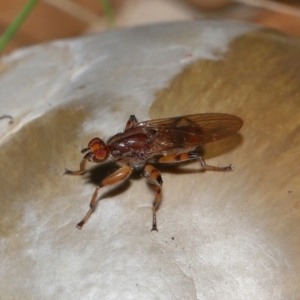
<point x="177" y="158"/>
<point x="153" y="176"/>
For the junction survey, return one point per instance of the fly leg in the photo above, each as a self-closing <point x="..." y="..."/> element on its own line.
<point x="176" y="158"/>
<point x="213" y="168"/>
<point x="118" y="176"/>
<point x="153" y="176"/>
<point x="81" y="167"/>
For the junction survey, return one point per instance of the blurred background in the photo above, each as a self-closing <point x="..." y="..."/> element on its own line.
<point x="46" y="20"/>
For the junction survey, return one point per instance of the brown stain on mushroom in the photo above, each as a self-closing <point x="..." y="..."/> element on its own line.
<point x="256" y="66"/>
<point x="32" y="163"/>
<point x="257" y="80"/>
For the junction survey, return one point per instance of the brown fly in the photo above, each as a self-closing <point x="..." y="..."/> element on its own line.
<point x="165" y="141"/>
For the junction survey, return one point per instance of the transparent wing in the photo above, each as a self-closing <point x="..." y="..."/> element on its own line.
<point x="203" y="128"/>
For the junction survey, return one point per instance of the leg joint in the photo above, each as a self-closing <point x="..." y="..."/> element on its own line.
<point x="193" y="155"/>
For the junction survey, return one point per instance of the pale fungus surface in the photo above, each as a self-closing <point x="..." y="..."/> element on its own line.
<point x="232" y="235"/>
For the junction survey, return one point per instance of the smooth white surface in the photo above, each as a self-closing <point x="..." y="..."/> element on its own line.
<point x="131" y="63"/>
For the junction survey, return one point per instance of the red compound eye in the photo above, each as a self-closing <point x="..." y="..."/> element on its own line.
<point x="100" y="155"/>
<point x="99" y="149"/>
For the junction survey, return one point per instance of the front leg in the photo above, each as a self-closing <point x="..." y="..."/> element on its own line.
<point x="81" y="167"/>
<point x="118" y="176"/>
<point x="153" y="176"/>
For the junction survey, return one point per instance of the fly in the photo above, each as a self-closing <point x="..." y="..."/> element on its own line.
<point x="162" y="141"/>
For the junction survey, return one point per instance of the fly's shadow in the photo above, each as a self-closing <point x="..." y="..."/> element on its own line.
<point x="96" y="174"/>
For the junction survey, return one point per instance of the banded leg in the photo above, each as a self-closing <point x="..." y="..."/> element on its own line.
<point x="81" y="167"/>
<point x="176" y="158"/>
<point x="118" y="176"/>
<point x="153" y="176"/>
